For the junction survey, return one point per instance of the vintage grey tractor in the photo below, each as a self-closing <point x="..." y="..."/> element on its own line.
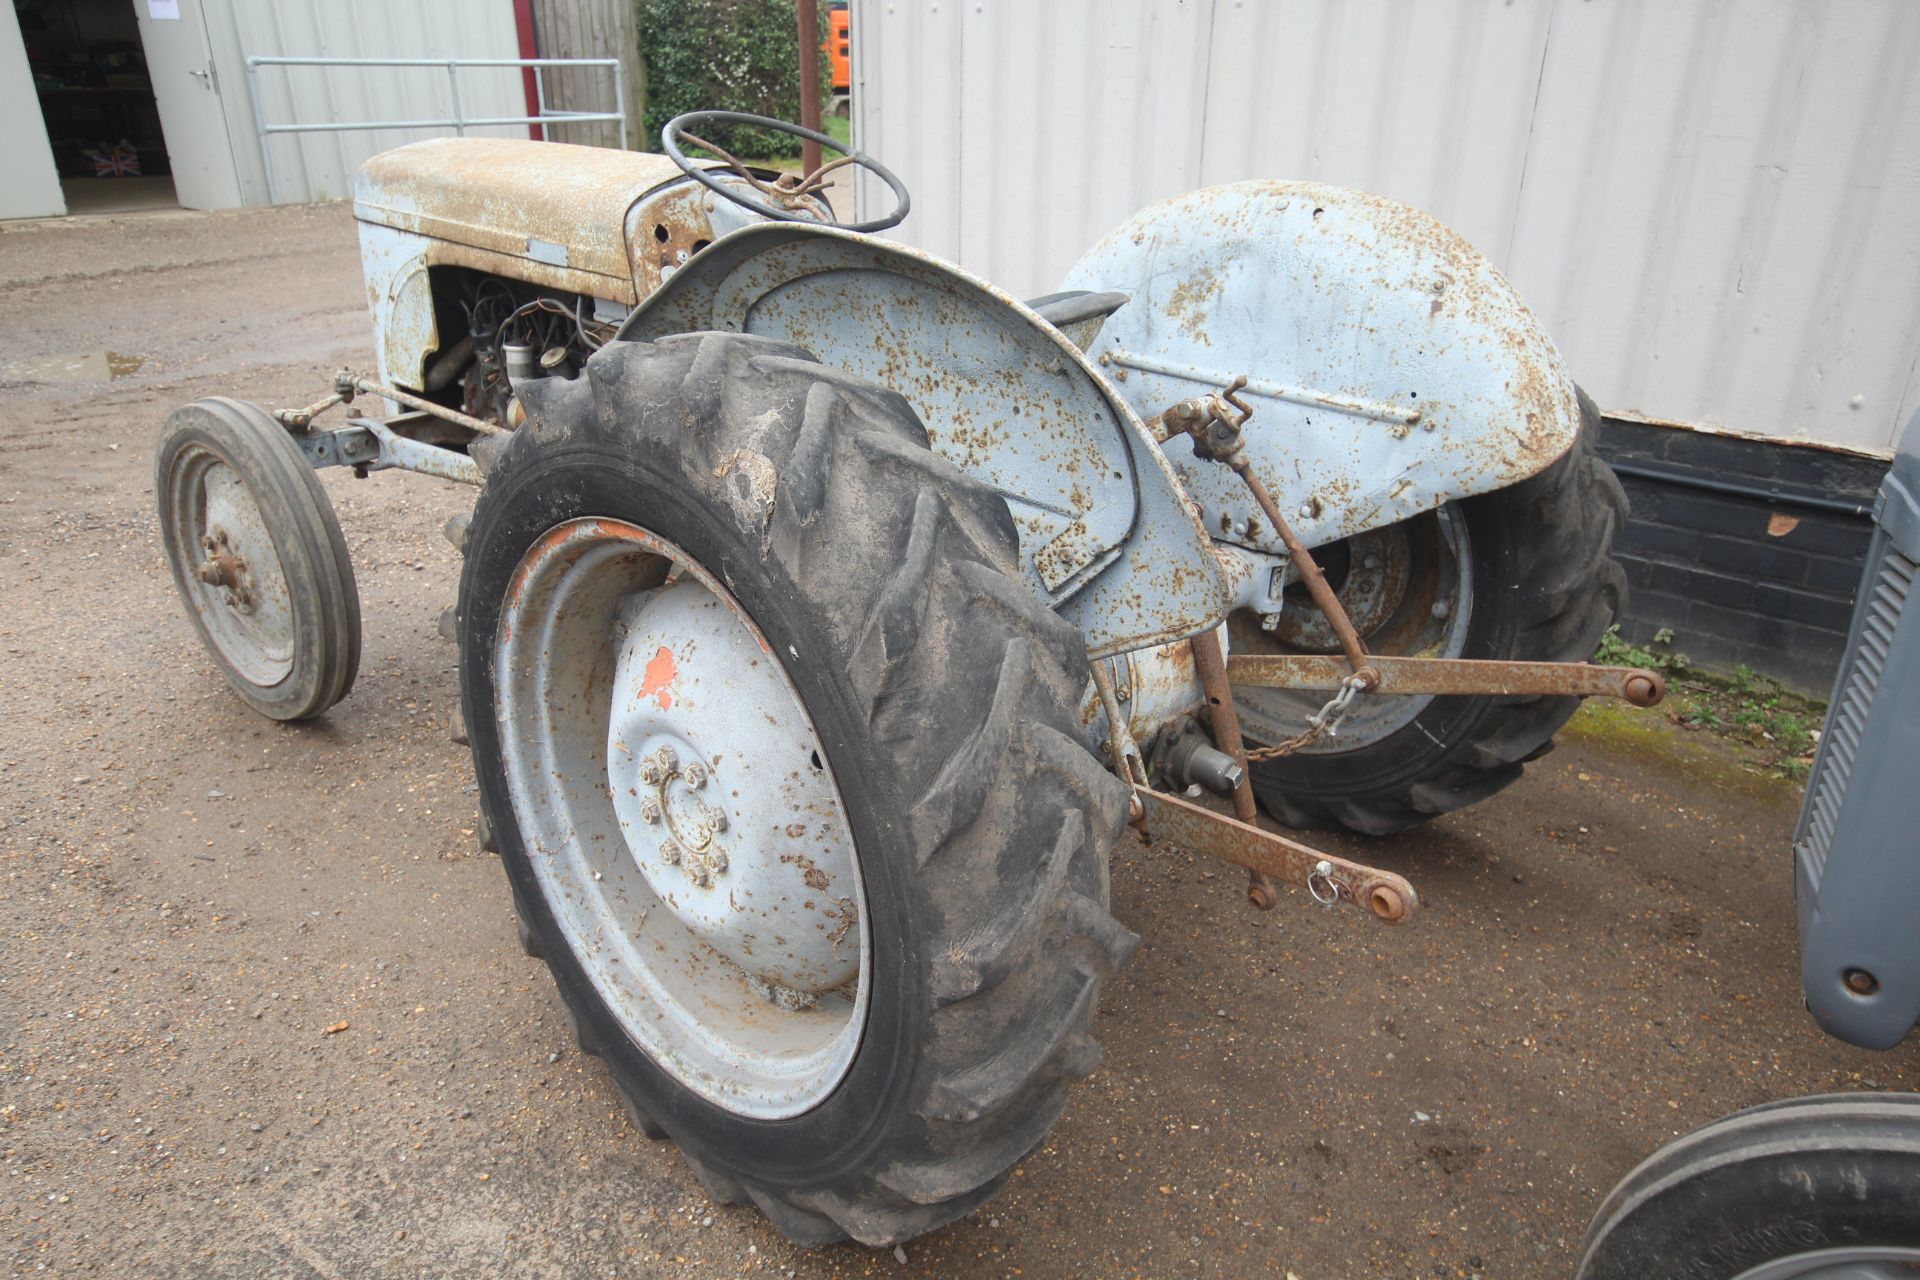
<point x="828" y="614"/>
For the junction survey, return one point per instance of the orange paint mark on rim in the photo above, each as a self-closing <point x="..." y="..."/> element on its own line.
<point x="658" y="675"/>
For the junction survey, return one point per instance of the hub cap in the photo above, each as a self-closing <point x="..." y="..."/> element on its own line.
<point x="681" y="816"/>
<point x="234" y="578"/>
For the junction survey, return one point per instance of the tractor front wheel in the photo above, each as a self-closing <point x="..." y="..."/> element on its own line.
<point x="257" y="556"/>
<point x="780" y="756"/>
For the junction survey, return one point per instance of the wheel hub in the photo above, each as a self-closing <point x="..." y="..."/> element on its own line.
<point x="223" y="568"/>
<point x="712" y="784"/>
<point x="237" y="585"/>
<point x="671" y="798"/>
<point x="679" y="813"/>
<point x="1408" y="590"/>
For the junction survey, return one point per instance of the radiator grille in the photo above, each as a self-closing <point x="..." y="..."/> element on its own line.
<point x="1848" y="721"/>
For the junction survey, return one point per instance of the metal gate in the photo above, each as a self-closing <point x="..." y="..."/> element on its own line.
<point x="458" y="121"/>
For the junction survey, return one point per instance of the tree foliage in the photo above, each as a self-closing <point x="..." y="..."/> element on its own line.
<point x="726" y="55"/>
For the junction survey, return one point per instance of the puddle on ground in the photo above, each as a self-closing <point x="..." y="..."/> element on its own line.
<point x="94" y="366"/>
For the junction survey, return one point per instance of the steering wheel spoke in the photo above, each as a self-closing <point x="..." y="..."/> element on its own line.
<point x="788" y="198"/>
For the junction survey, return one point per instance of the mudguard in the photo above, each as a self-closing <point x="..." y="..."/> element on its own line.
<point x="1106" y="534"/>
<point x="1391" y="367"/>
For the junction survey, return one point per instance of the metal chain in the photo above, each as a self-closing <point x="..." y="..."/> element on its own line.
<point x="1325" y="721"/>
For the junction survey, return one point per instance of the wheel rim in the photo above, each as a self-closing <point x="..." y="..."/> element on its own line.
<point x="1876" y="1263"/>
<point x="1409" y="591"/>
<point x="220" y="544"/>
<point x="682" y="819"/>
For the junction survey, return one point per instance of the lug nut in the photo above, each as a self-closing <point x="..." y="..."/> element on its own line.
<point x="649" y="808"/>
<point x="716" y="818"/>
<point x="695" y="775"/>
<point x="670" y="852"/>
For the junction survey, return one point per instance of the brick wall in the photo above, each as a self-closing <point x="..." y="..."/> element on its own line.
<point x="1748" y="551"/>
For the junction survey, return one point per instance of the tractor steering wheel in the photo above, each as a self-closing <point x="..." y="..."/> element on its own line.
<point x="789" y="198"/>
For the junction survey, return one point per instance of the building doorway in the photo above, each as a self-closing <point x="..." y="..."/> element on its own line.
<point x="96" y="98"/>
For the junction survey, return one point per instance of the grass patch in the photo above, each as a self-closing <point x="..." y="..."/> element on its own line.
<point x="839" y="128"/>
<point x="1773" y="729"/>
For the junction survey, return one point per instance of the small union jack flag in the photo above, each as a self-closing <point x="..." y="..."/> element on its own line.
<point x="121" y="162"/>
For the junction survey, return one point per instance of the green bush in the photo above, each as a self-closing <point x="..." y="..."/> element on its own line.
<point x="726" y="55"/>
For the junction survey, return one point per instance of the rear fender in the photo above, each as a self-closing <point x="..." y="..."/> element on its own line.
<point x="1392" y="368"/>
<point x="1106" y="534"/>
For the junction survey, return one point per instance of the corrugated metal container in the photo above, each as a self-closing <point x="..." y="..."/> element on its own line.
<point x="1715" y="208"/>
<point x="320" y="166"/>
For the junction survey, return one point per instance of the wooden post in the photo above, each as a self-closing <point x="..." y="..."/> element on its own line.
<point x="809" y="81"/>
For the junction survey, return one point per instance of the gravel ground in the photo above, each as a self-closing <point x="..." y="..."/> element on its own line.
<point x="193" y="897"/>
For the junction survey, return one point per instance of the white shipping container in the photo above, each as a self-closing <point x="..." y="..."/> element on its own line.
<point x="1714" y="207"/>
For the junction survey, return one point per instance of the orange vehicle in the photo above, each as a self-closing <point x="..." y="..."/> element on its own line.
<point x="839" y="49"/>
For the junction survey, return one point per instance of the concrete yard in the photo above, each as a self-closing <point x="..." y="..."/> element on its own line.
<point x="193" y="896"/>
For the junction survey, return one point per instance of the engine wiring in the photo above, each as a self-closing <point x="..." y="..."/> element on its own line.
<point x="499" y="316"/>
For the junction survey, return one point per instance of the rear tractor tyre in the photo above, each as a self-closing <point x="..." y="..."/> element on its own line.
<point x="1522" y="574"/>
<point x="257" y="557"/>
<point x="781" y="757"/>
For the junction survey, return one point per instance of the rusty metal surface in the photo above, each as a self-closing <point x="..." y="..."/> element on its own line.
<point x="1427" y="565"/>
<point x="1309" y="571"/>
<point x="1151" y="687"/>
<point x="602" y="224"/>
<point x="377" y="446"/>
<point x="1444" y="676"/>
<point x="1389" y="897"/>
<point x="546" y="201"/>
<point x="397" y="452"/>
<point x="1106" y="534"/>
<point x="473" y="424"/>
<point x="1123" y="752"/>
<point x="669" y="226"/>
<point x="1393" y="367"/>
<point x="1209" y="663"/>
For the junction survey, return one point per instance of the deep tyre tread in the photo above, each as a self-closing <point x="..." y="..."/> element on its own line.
<point x="1547" y="589"/>
<point x="962" y="688"/>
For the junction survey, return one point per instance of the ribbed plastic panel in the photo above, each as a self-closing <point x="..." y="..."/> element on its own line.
<point x="1887" y="598"/>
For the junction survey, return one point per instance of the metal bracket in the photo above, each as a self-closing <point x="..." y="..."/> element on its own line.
<point x="364" y="442"/>
<point x="1200" y="830"/>
<point x="1444" y="676"/>
<point x="1399" y="418"/>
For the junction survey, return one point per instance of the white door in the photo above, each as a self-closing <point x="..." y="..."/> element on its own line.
<point x="187" y="89"/>
<point x="32" y="188"/>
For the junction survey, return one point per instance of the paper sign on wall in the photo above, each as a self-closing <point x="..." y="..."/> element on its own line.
<point x="164" y="10"/>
